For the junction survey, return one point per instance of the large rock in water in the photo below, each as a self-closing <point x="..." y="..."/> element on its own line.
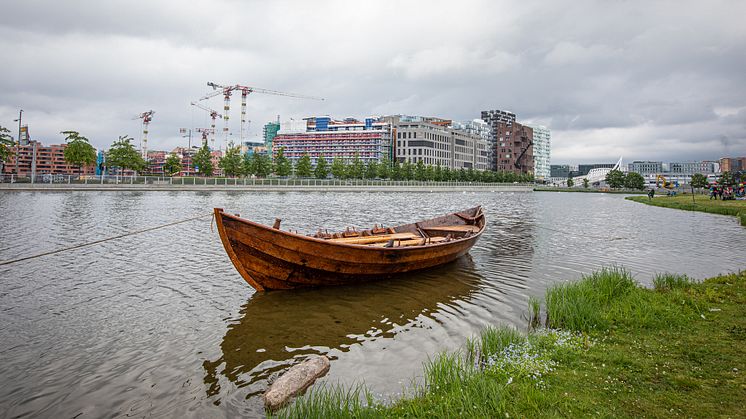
<point x="296" y="380"/>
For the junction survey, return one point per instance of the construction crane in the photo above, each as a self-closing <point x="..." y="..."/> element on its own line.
<point x="205" y="132"/>
<point x="227" y="91"/>
<point x="214" y="115"/>
<point x="146" y="118"/>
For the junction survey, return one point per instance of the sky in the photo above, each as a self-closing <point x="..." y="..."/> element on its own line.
<point x="646" y="80"/>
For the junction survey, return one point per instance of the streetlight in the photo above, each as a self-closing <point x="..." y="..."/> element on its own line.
<point x="187" y="132"/>
<point x="19" y="120"/>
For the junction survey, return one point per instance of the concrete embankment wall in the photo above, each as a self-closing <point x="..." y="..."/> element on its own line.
<point x="8" y="187"/>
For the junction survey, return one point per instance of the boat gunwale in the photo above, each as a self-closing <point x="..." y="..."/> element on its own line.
<point x="220" y="211"/>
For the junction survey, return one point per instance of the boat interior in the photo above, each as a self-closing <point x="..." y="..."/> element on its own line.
<point x="438" y="230"/>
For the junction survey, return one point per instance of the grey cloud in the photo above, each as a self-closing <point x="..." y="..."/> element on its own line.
<point x="635" y="78"/>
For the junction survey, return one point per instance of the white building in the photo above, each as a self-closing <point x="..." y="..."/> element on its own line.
<point x="542" y="151"/>
<point x="436" y="141"/>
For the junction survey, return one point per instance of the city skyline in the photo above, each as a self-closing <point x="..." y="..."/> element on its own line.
<point x="632" y="79"/>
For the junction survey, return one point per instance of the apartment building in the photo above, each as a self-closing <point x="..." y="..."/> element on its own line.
<point x="541" y="150"/>
<point x="437" y="141"/>
<point x="49" y="160"/>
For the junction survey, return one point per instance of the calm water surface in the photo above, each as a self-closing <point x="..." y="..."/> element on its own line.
<point x="160" y="324"/>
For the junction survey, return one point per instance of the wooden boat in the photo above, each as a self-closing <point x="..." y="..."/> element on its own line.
<point x="269" y="258"/>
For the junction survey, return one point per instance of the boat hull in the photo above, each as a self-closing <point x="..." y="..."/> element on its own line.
<point x="269" y="258"/>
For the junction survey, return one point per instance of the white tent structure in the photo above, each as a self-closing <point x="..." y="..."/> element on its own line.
<point x="597" y="175"/>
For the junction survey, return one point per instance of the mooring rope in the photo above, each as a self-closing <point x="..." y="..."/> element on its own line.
<point x="78" y="246"/>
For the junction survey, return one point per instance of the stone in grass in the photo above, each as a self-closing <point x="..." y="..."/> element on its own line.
<point x="296" y="380"/>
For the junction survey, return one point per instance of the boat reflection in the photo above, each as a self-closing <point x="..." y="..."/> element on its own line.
<point x="277" y="329"/>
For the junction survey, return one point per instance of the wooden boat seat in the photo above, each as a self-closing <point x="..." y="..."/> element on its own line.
<point x="411" y="242"/>
<point x="453" y="229"/>
<point x="374" y="239"/>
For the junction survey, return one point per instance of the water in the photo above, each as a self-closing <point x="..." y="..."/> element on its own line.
<point x="160" y="324"/>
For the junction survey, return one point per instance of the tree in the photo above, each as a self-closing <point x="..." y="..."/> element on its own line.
<point x="78" y="151"/>
<point x="338" y="168"/>
<point x="232" y="162"/>
<point x="430" y="173"/>
<point x="322" y="168"/>
<point x="634" y="180"/>
<point x="407" y="170"/>
<point x="699" y="181"/>
<point x="282" y="164"/>
<point x="384" y="168"/>
<point x="420" y="171"/>
<point x="725" y="179"/>
<point x="438" y="173"/>
<point x="570" y="182"/>
<point x="396" y="171"/>
<point x="261" y="165"/>
<point x="356" y="169"/>
<point x="303" y="168"/>
<point x="202" y="161"/>
<point x="586" y="182"/>
<point x="615" y="179"/>
<point x="371" y="170"/>
<point x="6" y="145"/>
<point x="122" y="154"/>
<point x="172" y="165"/>
<point x="248" y="164"/>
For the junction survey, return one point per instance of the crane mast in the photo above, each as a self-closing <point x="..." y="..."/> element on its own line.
<point x="146" y="118"/>
<point x="245" y="91"/>
<point x="214" y="115"/>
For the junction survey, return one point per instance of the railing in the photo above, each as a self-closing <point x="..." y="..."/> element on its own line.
<point x="59" y="179"/>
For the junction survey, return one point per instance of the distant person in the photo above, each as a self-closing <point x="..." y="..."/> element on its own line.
<point x="651" y="193"/>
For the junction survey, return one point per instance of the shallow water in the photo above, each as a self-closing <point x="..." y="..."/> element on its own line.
<point x="160" y="324"/>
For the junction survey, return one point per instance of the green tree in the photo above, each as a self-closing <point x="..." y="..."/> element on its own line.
<point x="586" y="182"/>
<point x="570" y="182"/>
<point x="172" y="165"/>
<point x="420" y="171"/>
<point x="303" y="168"/>
<point x="396" y="171"/>
<point x="634" y="180"/>
<point x="430" y="173"/>
<point x="78" y="151"/>
<point x="384" y="168"/>
<point x="339" y="168"/>
<point x="371" y="170"/>
<point x="615" y="179"/>
<point x="261" y="165"/>
<point x="248" y="164"/>
<point x="699" y="181"/>
<point x="322" y="168"/>
<point x="6" y="145"/>
<point x="282" y="164"/>
<point x="356" y="169"/>
<point x="232" y="162"/>
<point x="122" y="154"/>
<point x="438" y="173"/>
<point x="407" y="170"/>
<point x="726" y="179"/>
<point x="202" y="161"/>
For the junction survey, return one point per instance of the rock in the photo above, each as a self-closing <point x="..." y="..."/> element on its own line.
<point x="295" y="381"/>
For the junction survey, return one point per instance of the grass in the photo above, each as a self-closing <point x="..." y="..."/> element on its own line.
<point x="701" y="203"/>
<point x="622" y="351"/>
<point x="588" y="190"/>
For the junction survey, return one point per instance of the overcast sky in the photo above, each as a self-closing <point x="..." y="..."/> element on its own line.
<point x="644" y="80"/>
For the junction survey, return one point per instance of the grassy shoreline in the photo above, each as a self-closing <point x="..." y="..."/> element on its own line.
<point x="701" y="203"/>
<point x="610" y="348"/>
<point x="591" y="190"/>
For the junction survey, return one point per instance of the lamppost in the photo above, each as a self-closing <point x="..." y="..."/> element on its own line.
<point x="19" y="120"/>
<point x="187" y="132"/>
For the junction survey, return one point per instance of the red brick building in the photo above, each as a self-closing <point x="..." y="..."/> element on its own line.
<point x="732" y="164"/>
<point x="514" y="147"/>
<point x="49" y="159"/>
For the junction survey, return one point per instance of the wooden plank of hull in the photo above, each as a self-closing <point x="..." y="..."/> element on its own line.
<point x="272" y="259"/>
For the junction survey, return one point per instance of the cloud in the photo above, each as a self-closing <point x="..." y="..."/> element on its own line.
<point x="646" y="80"/>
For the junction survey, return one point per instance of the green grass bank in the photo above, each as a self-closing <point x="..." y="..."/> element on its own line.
<point x="590" y="190"/>
<point x="700" y="203"/>
<point x="610" y="348"/>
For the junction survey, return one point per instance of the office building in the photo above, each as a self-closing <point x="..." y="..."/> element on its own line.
<point x="645" y="167"/>
<point x="542" y="151"/>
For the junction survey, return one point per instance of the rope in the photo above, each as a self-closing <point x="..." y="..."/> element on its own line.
<point x="78" y="246"/>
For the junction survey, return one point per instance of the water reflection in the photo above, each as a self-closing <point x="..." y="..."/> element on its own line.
<point x="276" y="330"/>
